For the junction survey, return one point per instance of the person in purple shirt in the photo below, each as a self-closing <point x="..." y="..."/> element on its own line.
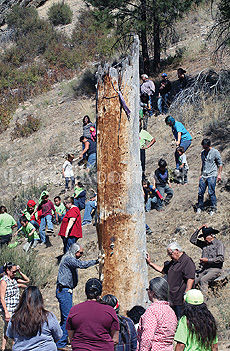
<point x="31" y="326"/>
<point x="92" y="325"/>
<point x="181" y="135"/>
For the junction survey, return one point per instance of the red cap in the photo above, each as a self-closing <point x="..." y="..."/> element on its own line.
<point x="31" y="203"/>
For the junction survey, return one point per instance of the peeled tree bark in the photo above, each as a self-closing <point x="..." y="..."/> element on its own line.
<point x="120" y="206"/>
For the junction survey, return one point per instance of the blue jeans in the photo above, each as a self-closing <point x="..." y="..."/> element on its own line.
<point x="162" y="103"/>
<point x="169" y="194"/>
<point x="89" y="206"/>
<point x="203" y="184"/>
<point x="150" y="202"/>
<point x="65" y="299"/>
<point x="42" y="230"/>
<point x="185" y="144"/>
<point x="67" y="180"/>
<point x="92" y="158"/>
<point x="67" y="242"/>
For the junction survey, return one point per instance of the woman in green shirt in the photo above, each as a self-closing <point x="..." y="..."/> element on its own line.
<point x="196" y="330"/>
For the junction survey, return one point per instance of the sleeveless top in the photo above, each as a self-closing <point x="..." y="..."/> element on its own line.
<point x="12" y="294"/>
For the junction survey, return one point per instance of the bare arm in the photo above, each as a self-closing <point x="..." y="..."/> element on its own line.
<point x="219" y="173"/>
<point x="178" y="138"/>
<point x="215" y="347"/>
<point x="153" y="265"/>
<point x="22" y="282"/>
<point x="150" y="144"/>
<point x="70" y="334"/>
<point x="189" y="284"/>
<point x="3" y="286"/>
<point x="115" y="336"/>
<point x="179" y="346"/>
<point x="85" y="149"/>
<point x="71" y="222"/>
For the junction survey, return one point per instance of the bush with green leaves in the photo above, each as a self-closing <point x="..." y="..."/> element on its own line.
<point x="60" y="13"/>
<point x="29" y="263"/>
<point x="25" y="129"/>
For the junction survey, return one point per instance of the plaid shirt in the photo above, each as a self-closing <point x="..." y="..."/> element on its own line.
<point x="157" y="328"/>
<point x="130" y="335"/>
<point x="12" y="294"/>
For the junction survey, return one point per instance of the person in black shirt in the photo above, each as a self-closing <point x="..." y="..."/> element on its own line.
<point x="163" y="98"/>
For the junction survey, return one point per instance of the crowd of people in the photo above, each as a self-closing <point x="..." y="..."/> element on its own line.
<point x="176" y="298"/>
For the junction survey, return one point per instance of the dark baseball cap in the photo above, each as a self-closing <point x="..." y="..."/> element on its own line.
<point x="93" y="286"/>
<point x="206" y="231"/>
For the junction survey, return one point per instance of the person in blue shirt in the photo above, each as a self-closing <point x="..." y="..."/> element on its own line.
<point x="182" y="136"/>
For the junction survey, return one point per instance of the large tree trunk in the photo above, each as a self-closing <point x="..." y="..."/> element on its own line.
<point x="157" y="43"/>
<point x="144" y="42"/>
<point x="120" y="207"/>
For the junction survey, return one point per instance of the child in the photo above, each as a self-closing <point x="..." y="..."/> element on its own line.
<point x="79" y="196"/>
<point x="93" y="133"/>
<point x="30" y="233"/>
<point x="46" y="219"/>
<point x="162" y="184"/>
<point x="29" y="214"/>
<point x="152" y="195"/>
<point x="183" y="167"/>
<point x="67" y="171"/>
<point x="60" y="208"/>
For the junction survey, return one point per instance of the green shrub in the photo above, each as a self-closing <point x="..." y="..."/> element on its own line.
<point x="86" y="85"/>
<point x="29" y="263"/>
<point x="60" y="13"/>
<point x="25" y="129"/>
<point x="62" y="56"/>
<point x="22" y="19"/>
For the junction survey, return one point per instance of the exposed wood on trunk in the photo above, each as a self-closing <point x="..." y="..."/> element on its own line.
<point x="121" y="219"/>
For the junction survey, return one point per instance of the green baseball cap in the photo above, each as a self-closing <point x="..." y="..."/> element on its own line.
<point x="194" y="297"/>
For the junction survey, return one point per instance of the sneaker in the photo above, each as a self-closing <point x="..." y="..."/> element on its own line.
<point x="50" y="231"/>
<point x="198" y="210"/>
<point x="42" y="243"/>
<point x="148" y="231"/>
<point x="211" y="213"/>
<point x="86" y="223"/>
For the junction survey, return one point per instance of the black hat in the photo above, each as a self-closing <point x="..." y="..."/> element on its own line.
<point x="208" y="231"/>
<point x="93" y="286"/>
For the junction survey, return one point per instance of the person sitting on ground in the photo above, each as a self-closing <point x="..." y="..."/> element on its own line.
<point x="158" y="324"/>
<point x="34" y="219"/>
<point x="144" y="138"/>
<point x="79" y="196"/>
<point x="30" y="234"/>
<point x="183" y="166"/>
<point x="9" y="294"/>
<point x="70" y="230"/>
<point x="32" y="327"/>
<point x="182" y="78"/>
<point x="151" y="194"/>
<point x="90" y="149"/>
<point x="60" y="209"/>
<point x="148" y="87"/>
<point x="127" y="333"/>
<point x="181" y="135"/>
<point x="7" y="223"/>
<point x="93" y="325"/>
<point x="67" y="280"/>
<point x="197" y="329"/>
<point x="212" y="258"/>
<point x="164" y="91"/>
<point x="135" y="314"/>
<point x="210" y="174"/>
<point x="180" y="273"/>
<point x="162" y="184"/>
<point x="67" y="171"/>
<point x="48" y="210"/>
<point x="89" y="207"/>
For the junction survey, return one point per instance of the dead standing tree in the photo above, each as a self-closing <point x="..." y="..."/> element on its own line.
<point x="120" y="206"/>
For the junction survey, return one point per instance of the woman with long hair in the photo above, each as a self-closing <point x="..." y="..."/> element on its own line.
<point x="127" y="333"/>
<point x="92" y="325"/>
<point x="32" y="327"/>
<point x="158" y="324"/>
<point x="9" y="293"/>
<point x="197" y="327"/>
